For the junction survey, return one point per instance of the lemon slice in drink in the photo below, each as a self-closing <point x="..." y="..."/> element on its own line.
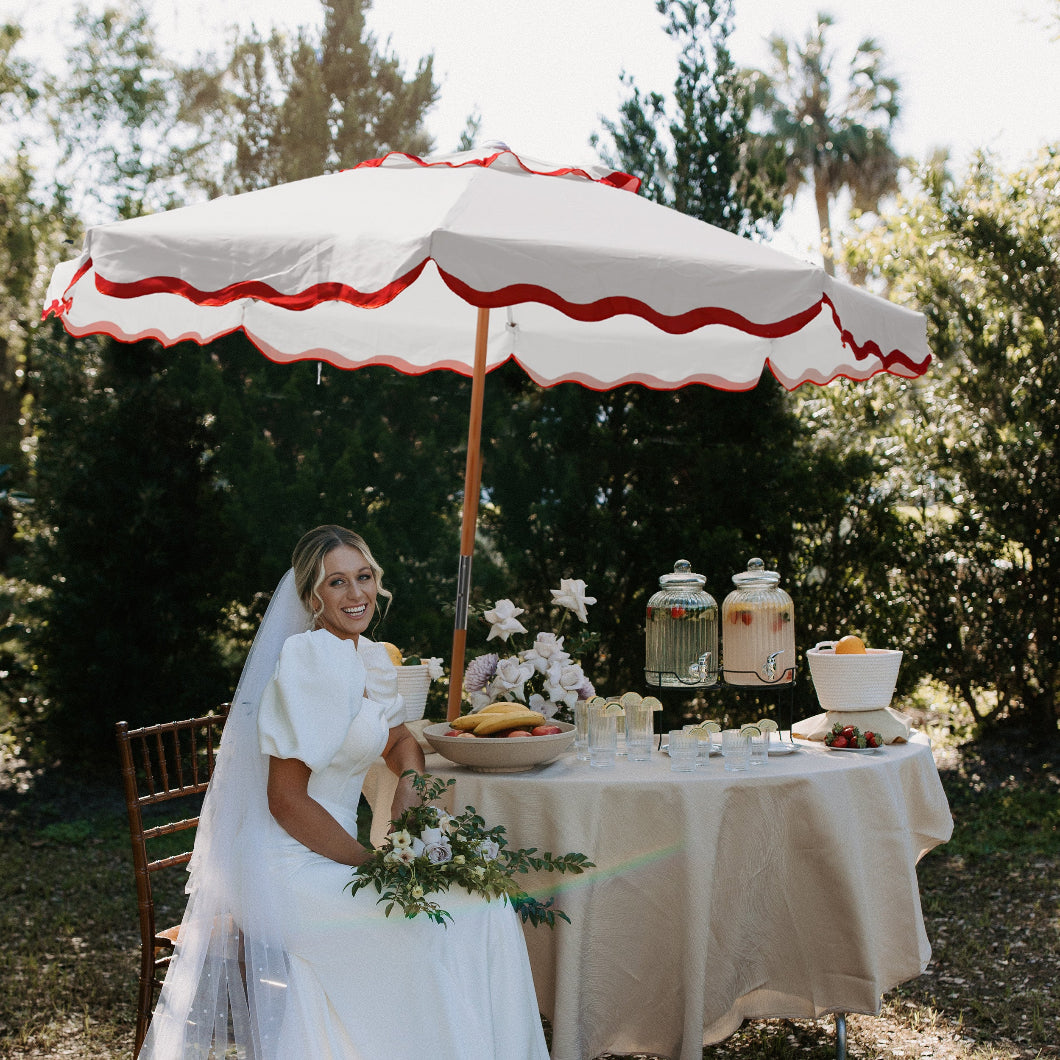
<point x="768" y="725"/>
<point x="710" y="726"/>
<point x="651" y="703"/>
<point x="614" y="709"/>
<point x="698" y="730"/>
<point x="630" y="699"/>
<point x="750" y="730"/>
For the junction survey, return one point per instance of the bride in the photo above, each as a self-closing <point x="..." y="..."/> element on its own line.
<point x="275" y="957"/>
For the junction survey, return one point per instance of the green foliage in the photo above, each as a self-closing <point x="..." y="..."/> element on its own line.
<point x="833" y="136"/>
<point x="131" y="547"/>
<point x="322" y="102"/>
<point x="699" y="161"/>
<point x="458" y="850"/>
<point x="981" y="469"/>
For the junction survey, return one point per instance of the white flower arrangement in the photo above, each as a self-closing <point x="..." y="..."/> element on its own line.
<point x="429" y="851"/>
<point x="545" y="676"/>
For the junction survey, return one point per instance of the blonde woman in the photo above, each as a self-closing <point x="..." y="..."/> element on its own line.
<point x="276" y="958"/>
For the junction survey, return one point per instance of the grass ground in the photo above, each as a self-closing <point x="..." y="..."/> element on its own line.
<point x="991" y="901"/>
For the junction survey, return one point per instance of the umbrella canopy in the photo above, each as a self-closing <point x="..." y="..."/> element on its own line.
<point x="400" y="260"/>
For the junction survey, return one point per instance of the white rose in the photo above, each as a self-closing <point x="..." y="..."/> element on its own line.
<point x="438" y="853"/>
<point x="503" y="620"/>
<point x="546" y="649"/>
<point x="512" y="675"/>
<point x="488" y="849"/>
<point x="571" y="595"/>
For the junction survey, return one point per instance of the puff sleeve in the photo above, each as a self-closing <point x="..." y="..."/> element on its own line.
<point x="311" y="701"/>
<point x="381" y="682"/>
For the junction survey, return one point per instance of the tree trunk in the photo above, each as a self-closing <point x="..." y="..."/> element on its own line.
<point x="820" y="195"/>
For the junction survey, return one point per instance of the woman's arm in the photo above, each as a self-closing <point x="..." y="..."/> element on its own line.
<point x="303" y="818"/>
<point x="403" y="752"/>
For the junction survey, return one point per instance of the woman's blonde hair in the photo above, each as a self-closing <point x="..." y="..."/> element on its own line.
<point x="308" y="563"/>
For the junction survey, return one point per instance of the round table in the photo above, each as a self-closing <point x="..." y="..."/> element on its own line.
<point x="789" y="890"/>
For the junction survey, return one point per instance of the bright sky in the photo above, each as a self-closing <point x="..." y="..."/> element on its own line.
<point x="974" y="73"/>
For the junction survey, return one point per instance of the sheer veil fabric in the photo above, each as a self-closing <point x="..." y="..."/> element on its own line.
<point x="228" y="982"/>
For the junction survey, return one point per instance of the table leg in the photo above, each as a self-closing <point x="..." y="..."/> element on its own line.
<point x="841" y="1036"/>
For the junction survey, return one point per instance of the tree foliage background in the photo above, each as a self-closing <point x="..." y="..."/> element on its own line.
<point x="150" y="498"/>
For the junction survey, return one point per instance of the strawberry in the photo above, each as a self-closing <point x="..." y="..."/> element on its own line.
<point x="839" y="741"/>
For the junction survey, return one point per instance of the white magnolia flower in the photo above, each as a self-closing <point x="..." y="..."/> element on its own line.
<point x="546" y="649"/>
<point x="431" y="835"/>
<point x="503" y="620"/>
<point x="418" y="846"/>
<point x="434" y="668"/>
<point x="571" y="595"/>
<point x="400" y="840"/>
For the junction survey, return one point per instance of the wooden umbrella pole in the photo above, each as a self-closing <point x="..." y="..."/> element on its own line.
<point x="469" y="519"/>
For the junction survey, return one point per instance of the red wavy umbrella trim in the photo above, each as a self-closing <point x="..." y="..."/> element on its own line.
<point x="513" y="294"/>
<point x="615" y="179"/>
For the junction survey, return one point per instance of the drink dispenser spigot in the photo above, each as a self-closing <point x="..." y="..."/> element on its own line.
<point x="681" y="632"/>
<point x="758" y="629"/>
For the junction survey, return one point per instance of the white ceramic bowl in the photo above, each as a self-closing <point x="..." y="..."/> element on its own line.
<point x="501" y="754"/>
<point x="853" y="682"/>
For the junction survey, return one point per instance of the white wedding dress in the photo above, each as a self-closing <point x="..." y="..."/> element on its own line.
<point x="361" y="985"/>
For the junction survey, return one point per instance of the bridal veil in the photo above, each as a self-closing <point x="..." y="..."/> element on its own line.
<point x="226" y="987"/>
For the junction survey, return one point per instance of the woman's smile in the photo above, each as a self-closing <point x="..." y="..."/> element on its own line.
<point x="347" y="592"/>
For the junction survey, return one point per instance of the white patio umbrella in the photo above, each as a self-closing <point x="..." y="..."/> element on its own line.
<point x="400" y="260"/>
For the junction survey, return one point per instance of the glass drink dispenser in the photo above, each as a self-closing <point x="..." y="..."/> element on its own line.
<point x="681" y="632"/>
<point x="758" y="629"/>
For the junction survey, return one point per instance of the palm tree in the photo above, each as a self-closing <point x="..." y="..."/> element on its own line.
<point x="832" y="139"/>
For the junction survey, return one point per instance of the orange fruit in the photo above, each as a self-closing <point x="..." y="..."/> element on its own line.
<point x="850" y="645"/>
<point x="393" y="651"/>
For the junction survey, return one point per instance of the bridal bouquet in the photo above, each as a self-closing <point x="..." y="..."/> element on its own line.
<point x="430" y="851"/>
<point x="546" y="676"/>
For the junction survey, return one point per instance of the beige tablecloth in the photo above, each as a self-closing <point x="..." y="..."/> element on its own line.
<point x="789" y="891"/>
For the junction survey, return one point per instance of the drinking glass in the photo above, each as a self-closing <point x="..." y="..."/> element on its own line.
<point x="760" y="749"/>
<point x="640" y="732"/>
<point x="684" y="750"/>
<point x="603" y="739"/>
<point x="736" y="750"/>
<point x="581" y="729"/>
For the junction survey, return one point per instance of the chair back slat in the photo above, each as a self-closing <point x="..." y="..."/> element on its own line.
<point x="174" y="760"/>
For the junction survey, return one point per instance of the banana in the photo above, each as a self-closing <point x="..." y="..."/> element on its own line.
<point x="466" y="722"/>
<point x="515" y="720"/>
<point x="503" y="707"/>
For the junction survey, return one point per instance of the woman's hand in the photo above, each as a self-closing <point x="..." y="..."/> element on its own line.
<point x="402" y="753"/>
